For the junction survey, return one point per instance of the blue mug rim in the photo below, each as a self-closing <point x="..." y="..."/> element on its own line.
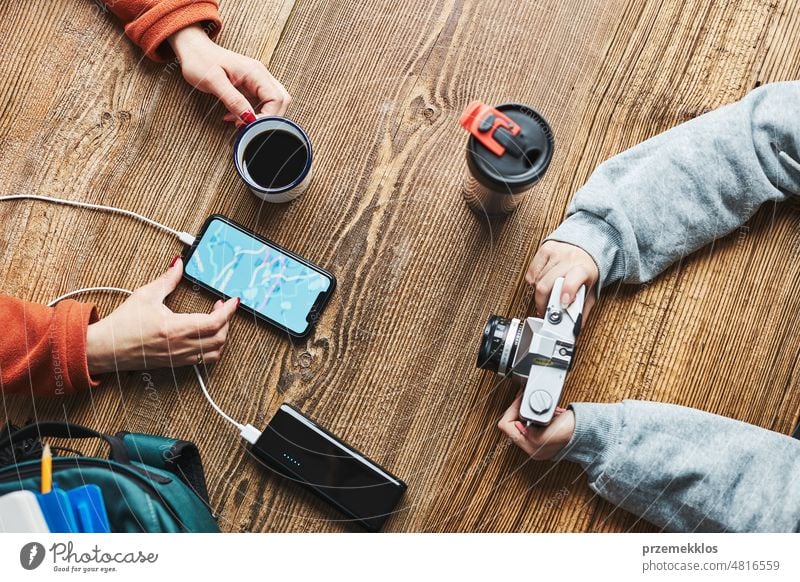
<point x="249" y="181"/>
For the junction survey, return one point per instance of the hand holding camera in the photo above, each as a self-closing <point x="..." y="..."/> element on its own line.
<point x="557" y="259"/>
<point x="540" y="352"/>
<point x="540" y="442"/>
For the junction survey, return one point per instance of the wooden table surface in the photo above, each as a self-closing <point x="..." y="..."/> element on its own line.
<point x="379" y="85"/>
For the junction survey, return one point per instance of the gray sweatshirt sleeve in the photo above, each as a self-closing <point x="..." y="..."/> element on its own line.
<point x="647" y="207"/>
<point x="687" y="470"/>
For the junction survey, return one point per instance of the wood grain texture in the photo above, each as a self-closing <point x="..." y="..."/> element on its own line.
<point x="379" y="85"/>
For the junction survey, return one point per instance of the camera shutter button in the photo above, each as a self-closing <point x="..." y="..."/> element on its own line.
<point x="540" y="401"/>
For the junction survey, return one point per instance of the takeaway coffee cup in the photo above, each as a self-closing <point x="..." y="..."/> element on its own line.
<point x="273" y="156"/>
<point x="509" y="150"/>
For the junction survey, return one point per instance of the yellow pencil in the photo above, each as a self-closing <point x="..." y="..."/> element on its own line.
<point x="47" y="469"/>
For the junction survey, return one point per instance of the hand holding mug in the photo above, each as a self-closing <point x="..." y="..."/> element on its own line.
<point x="236" y="80"/>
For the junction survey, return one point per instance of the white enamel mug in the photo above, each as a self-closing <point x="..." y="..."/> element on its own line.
<point x="266" y="189"/>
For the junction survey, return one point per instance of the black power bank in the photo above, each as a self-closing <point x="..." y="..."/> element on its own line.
<point x="297" y="448"/>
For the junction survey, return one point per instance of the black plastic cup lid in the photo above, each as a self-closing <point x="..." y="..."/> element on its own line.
<point x="527" y="155"/>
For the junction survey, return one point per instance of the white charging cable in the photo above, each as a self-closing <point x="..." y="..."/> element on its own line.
<point x="184" y="237"/>
<point x="247" y="431"/>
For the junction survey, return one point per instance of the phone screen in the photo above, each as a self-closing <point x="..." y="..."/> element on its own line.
<point x="268" y="281"/>
<point x="301" y="451"/>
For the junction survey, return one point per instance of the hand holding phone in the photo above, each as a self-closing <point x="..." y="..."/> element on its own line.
<point x="143" y="333"/>
<point x="274" y="285"/>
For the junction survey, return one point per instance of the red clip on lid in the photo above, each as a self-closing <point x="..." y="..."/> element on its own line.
<point x="482" y="121"/>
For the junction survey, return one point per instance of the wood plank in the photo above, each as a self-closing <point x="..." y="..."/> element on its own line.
<point x="380" y="86"/>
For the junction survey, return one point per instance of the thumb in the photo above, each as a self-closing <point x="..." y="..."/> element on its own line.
<point x="223" y="311"/>
<point x="166" y="283"/>
<point x="573" y="280"/>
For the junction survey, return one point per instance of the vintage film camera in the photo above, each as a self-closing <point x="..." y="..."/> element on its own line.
<point x="539" y="351"/>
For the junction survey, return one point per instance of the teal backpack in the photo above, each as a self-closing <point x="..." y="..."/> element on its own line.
<point x="149" y="483"/>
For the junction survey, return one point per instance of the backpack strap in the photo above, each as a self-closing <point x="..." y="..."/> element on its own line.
<point x="181" y="458"/>
<point x="18" y="451"/>
<point x="34" y="431"/>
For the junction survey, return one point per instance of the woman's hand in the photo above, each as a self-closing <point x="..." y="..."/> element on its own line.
<point x="143" y="333"/>
<point x="540" y="442"/>
<point x="556" y="259"/>
<point x="238" y="81"/>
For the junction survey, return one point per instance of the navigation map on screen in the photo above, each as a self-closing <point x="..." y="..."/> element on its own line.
<point x="265" y="279"/>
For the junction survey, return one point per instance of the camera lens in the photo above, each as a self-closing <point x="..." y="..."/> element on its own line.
<point x="494" y="336"/>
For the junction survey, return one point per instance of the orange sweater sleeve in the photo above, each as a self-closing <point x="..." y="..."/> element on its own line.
<point x="43" y="349"/>
<point x="149" y="23"/>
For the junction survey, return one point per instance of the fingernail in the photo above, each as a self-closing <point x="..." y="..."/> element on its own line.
<point x="175" y="260"/>
<point x="565" y="300"/>
<point x="521" y="428"/>
<point x="238" y="301"/>
<point x="248" y="117"/>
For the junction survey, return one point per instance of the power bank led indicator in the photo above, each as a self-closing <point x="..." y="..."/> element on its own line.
<point x="291" y="459"/>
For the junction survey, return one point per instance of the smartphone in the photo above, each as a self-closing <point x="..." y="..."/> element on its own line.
<point x="297" y="448"/>
<point x="274" y="285"/>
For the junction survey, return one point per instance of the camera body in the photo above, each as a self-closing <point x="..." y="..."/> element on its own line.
<point x="538" y="351"/>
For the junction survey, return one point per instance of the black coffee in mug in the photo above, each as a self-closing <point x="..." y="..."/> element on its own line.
<point x="273" y="156"/>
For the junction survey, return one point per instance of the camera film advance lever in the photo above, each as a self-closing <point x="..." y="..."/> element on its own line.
<point x="539" y="351"/>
